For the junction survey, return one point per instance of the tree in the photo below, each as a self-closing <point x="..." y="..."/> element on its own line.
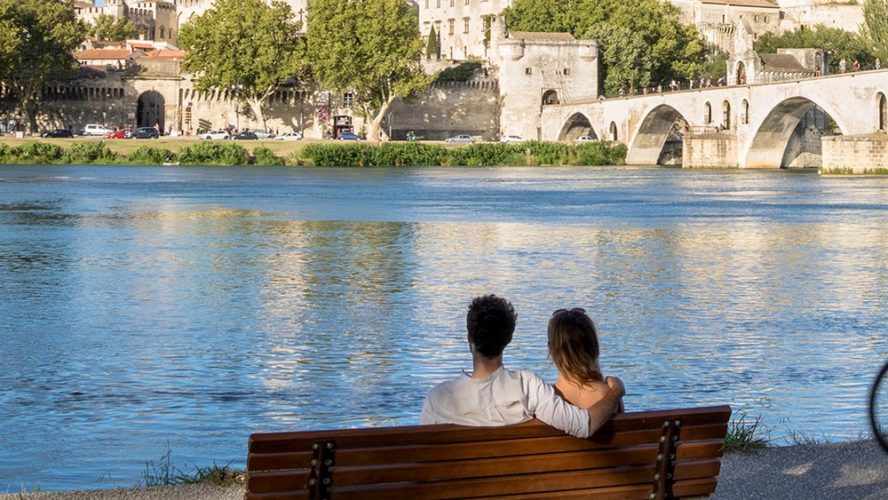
<point x="371" y="48"/>
<point x="432" y="47"/>
<point x="43" y="35"/>
<point x="641" y="42"/>
<point x="247" y="47"/>
<point x="841" y="44"/>
<point x="875" y="26"/>
<point x="114" y="30"/>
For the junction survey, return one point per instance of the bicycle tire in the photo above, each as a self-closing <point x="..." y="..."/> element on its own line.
<point x="874" y="422"/>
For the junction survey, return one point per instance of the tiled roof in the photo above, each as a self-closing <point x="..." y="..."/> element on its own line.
<point x="764" y="4"/>
<point x="165" y="54"/>
<point x="93" y="54"/>
<point x="782" y="63"/>
<point x="541" y="37"/>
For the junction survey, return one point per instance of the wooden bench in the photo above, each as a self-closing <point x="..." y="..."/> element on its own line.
<point x="644" y="455"/>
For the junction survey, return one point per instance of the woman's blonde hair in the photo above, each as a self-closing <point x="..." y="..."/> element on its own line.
<point x="573" y="345"/>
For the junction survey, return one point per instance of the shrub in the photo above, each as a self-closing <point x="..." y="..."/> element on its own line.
<point x="148" y="155"/>
<point x="409" y="154"/>
<point x="37" y="152"/>
<point x="599" y="154"/>
<point x="213" y="153"/>
<point x="461" y="73"/>
<point x="89" y="152"/>
<point x="265" y="157"/>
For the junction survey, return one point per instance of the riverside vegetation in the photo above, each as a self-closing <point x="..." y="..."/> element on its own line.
<point x="324" y="155"/>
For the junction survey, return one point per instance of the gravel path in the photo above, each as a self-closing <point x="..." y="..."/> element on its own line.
<point x="847" y="471"/>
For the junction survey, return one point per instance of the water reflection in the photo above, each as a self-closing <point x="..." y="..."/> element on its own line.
<point x="193" y="306"/>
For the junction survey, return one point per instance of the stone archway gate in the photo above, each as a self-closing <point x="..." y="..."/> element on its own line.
<point x="762" y="116"/>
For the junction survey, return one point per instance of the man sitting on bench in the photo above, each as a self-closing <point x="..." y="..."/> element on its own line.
<point x="493" y="395"/>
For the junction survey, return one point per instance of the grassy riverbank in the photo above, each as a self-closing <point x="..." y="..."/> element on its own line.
<point x="321" y="154"/>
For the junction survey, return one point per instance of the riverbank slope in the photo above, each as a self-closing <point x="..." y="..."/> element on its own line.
<point x="855" y="470"/>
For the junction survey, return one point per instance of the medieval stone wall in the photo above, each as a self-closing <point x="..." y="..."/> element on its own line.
<point x="447" y="109"/>
<point x="858" y="153"/>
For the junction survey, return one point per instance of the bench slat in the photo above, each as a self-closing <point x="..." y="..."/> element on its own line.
<point x="382" y="452"/>
<point x="522" y="484"/>
<point x="278" y="495"/>
<point x="448" y="433"/>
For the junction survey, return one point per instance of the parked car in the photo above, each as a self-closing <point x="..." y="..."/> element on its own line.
<point x="215" y="135"/>
<point x="119" y="134"/>
<point x="262" y="134"/>
<point x="511" y="139"/>
<point x="94" y="129"/>
<point x="245" y="136"/>
<point x="289" y="136"/>
<point x="146" y="133"/>
<point x="57" y="133"/>
<point x="349" y="136"/>
<point x="464" y="138"/>
<point x="586" y="138"/>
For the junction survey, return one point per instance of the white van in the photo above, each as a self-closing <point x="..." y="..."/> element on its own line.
<point x="93" y="129"/>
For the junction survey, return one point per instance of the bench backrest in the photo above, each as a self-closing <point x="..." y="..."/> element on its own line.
<point x="645" y="455"/>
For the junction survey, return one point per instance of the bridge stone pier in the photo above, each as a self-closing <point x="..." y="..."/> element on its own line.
<point x="748" y="126"/>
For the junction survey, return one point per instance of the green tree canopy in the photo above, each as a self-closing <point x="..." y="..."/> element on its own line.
<point x="875" y="27"/>
<point x="369" y="47"/>
<point x="108" y="28"/>
<point x="37" y="40"/>
<point x="641" y="43"/>
<point x="841" y="44"/>
<point x="247" y="47"/>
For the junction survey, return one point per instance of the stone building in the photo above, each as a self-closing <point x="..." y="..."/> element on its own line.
<point x="154" y="19"/>
<point x="160" y="20"/>
<point x="540" y="69"/>
<point x="464" y="27"/>
<point x="717" y="20"/>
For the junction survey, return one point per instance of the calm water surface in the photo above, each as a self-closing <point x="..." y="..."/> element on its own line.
<point x="146" y="309"/>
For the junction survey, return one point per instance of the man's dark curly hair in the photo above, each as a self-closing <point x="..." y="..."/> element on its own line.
<point x="491" y="323"/>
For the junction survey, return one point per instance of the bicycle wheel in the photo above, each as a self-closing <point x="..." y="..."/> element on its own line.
<point x="878" y="408"/>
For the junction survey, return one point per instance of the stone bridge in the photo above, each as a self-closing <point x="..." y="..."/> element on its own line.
<point x="736" y="126"/>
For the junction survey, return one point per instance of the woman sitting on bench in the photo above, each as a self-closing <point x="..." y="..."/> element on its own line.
<point x="573" y="347"/>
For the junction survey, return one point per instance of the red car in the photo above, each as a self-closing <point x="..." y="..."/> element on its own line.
<point x="123" y="133"/>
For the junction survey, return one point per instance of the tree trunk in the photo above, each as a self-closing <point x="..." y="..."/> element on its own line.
<point x="256" y="106"/>
<point x="30" y="109"/>
<point x="374" y="131"/>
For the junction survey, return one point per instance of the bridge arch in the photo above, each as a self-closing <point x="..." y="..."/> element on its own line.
<point x="658" y="139"/>
<point x="777" y="136"/>
<point x="576" y="126"/>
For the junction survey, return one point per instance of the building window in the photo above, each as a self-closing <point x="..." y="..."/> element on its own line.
<point x="348" y="99"/>
<point x="427" y="3"/>
<point x="528" y="71"/>
<point x="467" y="2"/>
<point x="438" y="3"/>
<point x="465" y="25"/>
<point x="450" y="23"/>
<point x="766" y="18"/>
<point x="566" y="71"/>
<point x="451" y="3"/>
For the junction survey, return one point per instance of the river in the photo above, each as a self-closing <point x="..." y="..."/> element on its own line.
<point x="147" y="310"/>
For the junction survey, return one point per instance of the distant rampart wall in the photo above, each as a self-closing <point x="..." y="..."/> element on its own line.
<point x="447" y="109"/>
